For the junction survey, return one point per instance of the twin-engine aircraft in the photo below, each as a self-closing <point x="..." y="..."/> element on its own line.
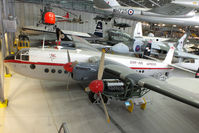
<point x="172" y="13"/>
<point x="121" y="77"/>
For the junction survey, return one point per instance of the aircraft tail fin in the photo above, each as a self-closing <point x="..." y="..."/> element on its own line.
<point x="104" y="4"/>
<point x="181" y="41"/>
<point x="58" y="33"/>
<point x="99" y="29"/>
<point x="169" y="56"/>
<point x="67" y="15"/>
<point x="138" y="30"/>
<point x="61" y="36"/>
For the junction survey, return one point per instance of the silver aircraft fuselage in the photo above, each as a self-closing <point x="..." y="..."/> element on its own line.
<point x="48" y="64"/>
<point x="190" y="19"/>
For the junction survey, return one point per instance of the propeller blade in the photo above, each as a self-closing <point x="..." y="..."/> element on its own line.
<point x="105" y="110"/>
<point x="69" y="59"/>
<point x="101" y="66"/>
<point x="74" y="63"/>
<point x="59" y="35"/>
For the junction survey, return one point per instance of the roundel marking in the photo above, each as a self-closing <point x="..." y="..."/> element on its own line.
<point x="130" y="11"/>
<point x="137" y="48"/>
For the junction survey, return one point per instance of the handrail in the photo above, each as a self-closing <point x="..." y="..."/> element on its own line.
<point x="63" y="128"/>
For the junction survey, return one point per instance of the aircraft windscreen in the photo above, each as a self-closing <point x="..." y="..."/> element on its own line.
<point x="22" y="54"/>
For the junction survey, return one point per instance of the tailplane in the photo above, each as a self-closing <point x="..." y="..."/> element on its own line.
<point x="67" y="15"/>
<point x="99" y="29"/>
<point x="169" y="56"/>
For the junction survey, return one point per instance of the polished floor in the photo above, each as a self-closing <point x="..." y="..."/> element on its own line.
<point x="37" y="106"/>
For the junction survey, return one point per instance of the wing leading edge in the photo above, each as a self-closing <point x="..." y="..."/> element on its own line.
<point x="171" y="91"/>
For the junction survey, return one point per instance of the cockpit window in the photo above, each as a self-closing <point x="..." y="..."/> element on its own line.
<point x="189" y="61"/>
<point x="22" y="55"/>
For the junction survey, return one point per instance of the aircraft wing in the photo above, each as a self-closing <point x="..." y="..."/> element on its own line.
<point x="186" y="55"/>
<point x="171" y="10"/>
<point x="151" y="83"/>
<point x="170" y="91"/>
<point x="83" y="44"/>
<point x="41" y="30"/>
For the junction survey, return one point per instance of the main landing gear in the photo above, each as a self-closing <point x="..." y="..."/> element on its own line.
<point x="94" y="98"/>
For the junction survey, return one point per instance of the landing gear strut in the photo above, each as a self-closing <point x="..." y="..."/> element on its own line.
<point x="94" y="98"/>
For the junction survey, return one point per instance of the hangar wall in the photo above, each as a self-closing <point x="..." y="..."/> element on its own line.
<point x="29" y="14"/>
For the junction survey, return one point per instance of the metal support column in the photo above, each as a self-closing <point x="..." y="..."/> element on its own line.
<point x="5" y="12"/>
<point x="3" y="102"/>
<point x="12" y="12"/>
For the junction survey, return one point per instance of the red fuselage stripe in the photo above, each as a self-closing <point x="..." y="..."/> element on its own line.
<point x="36" y="63"/>
<point x="150" y="68"/>
<point x="60" y="64"/>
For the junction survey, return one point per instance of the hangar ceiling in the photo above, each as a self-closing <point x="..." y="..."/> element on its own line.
<point x="87" y="5"/>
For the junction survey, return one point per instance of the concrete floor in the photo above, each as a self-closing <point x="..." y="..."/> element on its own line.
<point x="37" y="106"/>
<point x="41" y="106"/>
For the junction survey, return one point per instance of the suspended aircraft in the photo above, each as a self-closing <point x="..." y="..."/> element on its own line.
<point x="105" y="18"/>
<point x="121" y="25"/>
<point x="49" y="18"/>
<point x="68" y="19"/>
<point x="168" y="14"/>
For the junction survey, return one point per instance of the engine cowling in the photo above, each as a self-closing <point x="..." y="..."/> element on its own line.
<point x="85" y="72"/>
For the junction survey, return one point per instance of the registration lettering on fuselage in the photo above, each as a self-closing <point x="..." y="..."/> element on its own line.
<point x="136" y="62"/>
<point x="142" y="63"/>
<point x="151" y="64"/>
<point x="124" y="11"/>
